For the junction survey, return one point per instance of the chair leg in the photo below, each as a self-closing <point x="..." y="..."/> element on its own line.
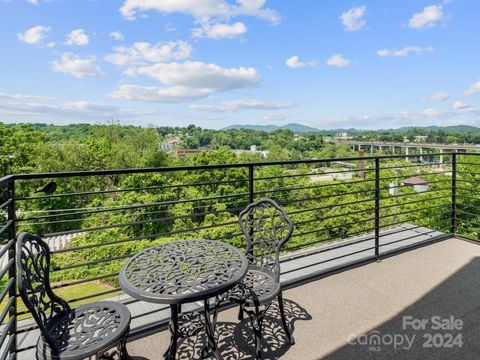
<point x="256" y="318"/>
<point x="284" y="320"/>
<point x="123" y="349"/>
<point x="240" y="312"/>
<point x="211" y="346"/>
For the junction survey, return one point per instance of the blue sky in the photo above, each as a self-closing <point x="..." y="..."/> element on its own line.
<point x="327" y="64"/>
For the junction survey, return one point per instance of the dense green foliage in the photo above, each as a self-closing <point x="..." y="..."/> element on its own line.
<point x="125" y="213"/>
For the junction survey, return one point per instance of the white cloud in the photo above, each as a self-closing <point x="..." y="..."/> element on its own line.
<point x="77" y="37"/>
<point x="459" y="108"/>
<point x="354" y="18"/>
<point x="474" y="89"/>
<point x="339" y="61"/>
<point x="158" y="94"/>
<point x="440" y="96"/>
<point x="144" y="52"/>
<point x="430" y="112"/>
<point x="255" y="8"/>
<point x="202" y="10"/>
<point x="33" y="2"/>
<point x="430" y="116"/>
<point x="247" y="104"/>
<point x="271" y="116"/>
<point x="30" y="105"/>
<point x="429" y="16"/>
<point x="459" y="105"/>
<point x="23" y="97"/>
<point x="294" y="62"/>
<point x="79" y="67"/>
<point x="195" y="74"/>
<point x="187" y="81"/>
<point x="117" y="35"/>
<point x="418" y="50"/>
<point x="275" y="116"/>
<point x="34" y="35"/>
<point x="217" y="31"/>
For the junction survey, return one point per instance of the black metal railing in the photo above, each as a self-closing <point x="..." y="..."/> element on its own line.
<point x="368" y="207"/>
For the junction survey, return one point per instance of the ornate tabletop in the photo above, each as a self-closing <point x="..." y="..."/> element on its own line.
<point x="183" y="271"/>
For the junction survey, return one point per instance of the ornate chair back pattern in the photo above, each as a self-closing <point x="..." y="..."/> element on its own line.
<point x="33" y="276"/>
<point x="267" y="228"/>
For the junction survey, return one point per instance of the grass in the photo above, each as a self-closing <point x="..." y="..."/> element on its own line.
<point x="72" y="292"/>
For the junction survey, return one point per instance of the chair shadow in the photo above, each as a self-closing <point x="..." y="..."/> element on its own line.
<point x="237" y="341"/>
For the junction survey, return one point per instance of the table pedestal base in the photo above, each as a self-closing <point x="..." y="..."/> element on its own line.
<point x="176" y="332"/>
<point x="211" y="345"/>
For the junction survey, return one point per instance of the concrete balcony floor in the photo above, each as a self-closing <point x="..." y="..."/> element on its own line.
<point x="441" y="279"/>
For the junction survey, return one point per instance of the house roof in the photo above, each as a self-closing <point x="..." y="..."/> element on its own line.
<point x="415" y="180"/>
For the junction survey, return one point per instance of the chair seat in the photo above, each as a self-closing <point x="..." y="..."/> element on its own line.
<point x="88" y="330"/>
<point x="257" y="287"/>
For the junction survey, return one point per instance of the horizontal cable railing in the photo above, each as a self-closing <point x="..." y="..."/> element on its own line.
<point x="362" y="208"/>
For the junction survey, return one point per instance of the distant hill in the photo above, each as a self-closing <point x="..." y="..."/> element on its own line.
<point x="298" y="128"/>
<point x="453" y="128"/>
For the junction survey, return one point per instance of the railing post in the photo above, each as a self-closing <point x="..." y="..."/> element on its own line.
<point x="251" y="196"/>
<point x="454" y="194"/>
<point x="377" y="208"/>
<point x="12" y="313"/>
<point x="251" y="187"/>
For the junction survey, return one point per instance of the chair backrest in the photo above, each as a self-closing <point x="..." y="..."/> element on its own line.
<point x="267" y="228"/>
<point x="33" y="278"/>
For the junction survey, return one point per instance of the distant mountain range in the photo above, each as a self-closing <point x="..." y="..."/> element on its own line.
<point x="457" y="128"/>
<point x="299" y="128"/>
<point x="269" y="128"/>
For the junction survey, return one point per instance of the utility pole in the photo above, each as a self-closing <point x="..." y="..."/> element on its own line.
<point x="361" y="165"/>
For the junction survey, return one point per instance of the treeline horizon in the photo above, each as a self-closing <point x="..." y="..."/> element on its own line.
<point x="27" y="148"/>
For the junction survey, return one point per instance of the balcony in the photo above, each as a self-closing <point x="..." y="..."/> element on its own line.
<point x="350" y="214"/>
<point x="331" y="314"/>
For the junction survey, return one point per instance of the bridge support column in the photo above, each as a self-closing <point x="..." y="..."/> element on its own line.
<point x="421" y="153"/>
<point x="406" y="153"/>
<point x="441" y="156"/>
<point x="393" y="150"/>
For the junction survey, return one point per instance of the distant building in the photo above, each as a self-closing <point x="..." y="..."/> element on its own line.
<point x="253" y="150"/>
<point x="166" y="146"/>
<point x="343" y="136"/>
<point x="420" y="138"/>
<point x="169" y="144"/>
<point x="187" y="152"/>
<point x="419" y="185"/>
<point x="327" y="139"/>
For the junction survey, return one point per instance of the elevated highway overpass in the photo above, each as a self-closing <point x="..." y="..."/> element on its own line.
<point x="408" y="148"/>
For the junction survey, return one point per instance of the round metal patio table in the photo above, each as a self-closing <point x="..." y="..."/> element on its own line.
<point x="180" y="272"/>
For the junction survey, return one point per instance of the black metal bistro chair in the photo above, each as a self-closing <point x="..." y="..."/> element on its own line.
<point x="97" y="330"/>
<point x="267" y="228"/>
